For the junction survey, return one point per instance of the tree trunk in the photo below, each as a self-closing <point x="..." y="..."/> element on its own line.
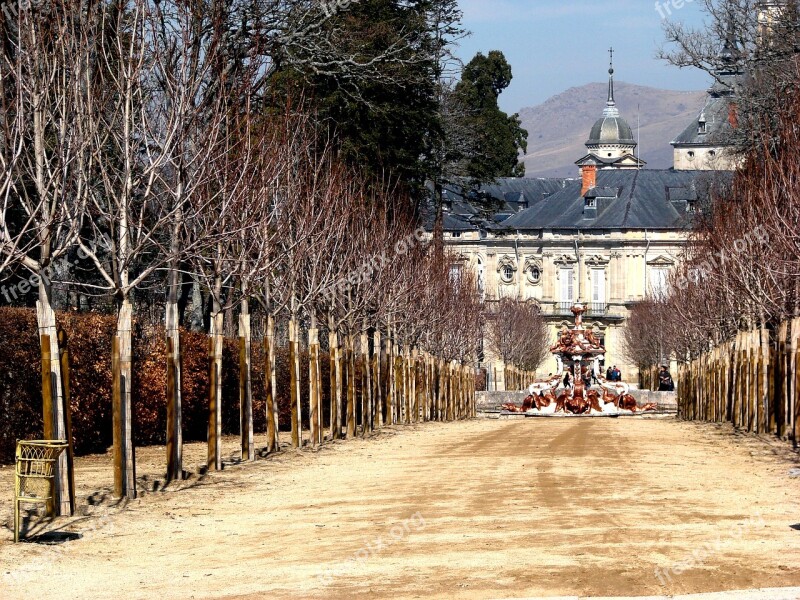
<point x="366" y="386"/>
<point x="174" y="390"/>
<point x="46" y="319"/>
<point x="335" y="396"/>
<point x="269" y="382"/>
<point x="390" y="385"/>
<point x="376" y="378"/>
<point x="407" y="389"/>
<point x="313" y="386"/>
<point x="294" y="369"/>
<point x="245" y="384"/>
<point x="215" y="391"/>
<point x="351" y="385"/>
<point x="125" y="471"/>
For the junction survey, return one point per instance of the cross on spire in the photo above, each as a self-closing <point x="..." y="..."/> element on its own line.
<point x="611" y="105"/>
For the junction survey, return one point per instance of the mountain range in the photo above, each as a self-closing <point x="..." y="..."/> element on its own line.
<point x="559" y="127"/>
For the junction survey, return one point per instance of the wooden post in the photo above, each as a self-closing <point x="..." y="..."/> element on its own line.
<point x="796" y="399"/>
<point x="118" y="454"/>
<point x="390" y="383"/>
<point x="246" y="398"/>
<point x="317" y="367"/>
<point x="214" y="454"/>
<point x="47" y="391"/>
<point x="173" y="471"/>
<point x="293" y="375"/>
<point x="350" y="368"/>
<point x="376" y="378"/>
<point x="335" y="386"/>
<point x="47" y="406"/>
<point x="313" y="386"/>
<point x="125" y="370"/>
<point x="397" y="399"/>
<point x="340" y="401"/>
<point x="367" y="384"/>
<point x="46" y="320"/>
<point x="174" y="394"/>
<point x="215" y="393"/>
<point x="271" y="425"/>
<point x="63" y="345"/>
<point x="413" y="377"/>
<point x="269" y="384"/>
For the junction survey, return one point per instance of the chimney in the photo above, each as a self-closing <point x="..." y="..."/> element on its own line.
<point x="733" y="115"/>
<point x="589" y="175"/>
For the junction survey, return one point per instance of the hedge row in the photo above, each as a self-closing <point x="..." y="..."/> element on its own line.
<point x="89" y="345"/>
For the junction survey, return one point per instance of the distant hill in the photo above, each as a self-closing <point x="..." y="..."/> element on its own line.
<point x="559" y="128"/>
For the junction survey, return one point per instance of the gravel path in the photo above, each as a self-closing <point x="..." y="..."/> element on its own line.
<point x="477" y="510"/>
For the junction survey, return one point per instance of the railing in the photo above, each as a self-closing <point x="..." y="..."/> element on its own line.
<point x="564" y="308"/>
<point x="597" y="309"/>
<point x="593" y="309"/>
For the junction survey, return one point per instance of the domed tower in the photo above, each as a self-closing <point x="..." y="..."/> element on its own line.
<point x="611" y="144"/>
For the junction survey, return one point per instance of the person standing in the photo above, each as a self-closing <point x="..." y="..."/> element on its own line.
<point x="665" y="381"/>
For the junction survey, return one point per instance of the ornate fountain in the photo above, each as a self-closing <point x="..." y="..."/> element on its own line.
<point x="580" y="353"/>
<point x="578" y="349"/>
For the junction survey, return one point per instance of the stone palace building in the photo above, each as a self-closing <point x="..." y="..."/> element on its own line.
<point x="607" y="238"/>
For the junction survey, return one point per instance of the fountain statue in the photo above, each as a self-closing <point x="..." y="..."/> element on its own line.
<point x="579" y="387"/>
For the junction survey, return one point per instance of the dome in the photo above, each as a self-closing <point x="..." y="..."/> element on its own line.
<point x="611" y="130"/>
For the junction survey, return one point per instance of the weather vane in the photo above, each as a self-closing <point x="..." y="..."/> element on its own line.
<point x="611" y="60"/>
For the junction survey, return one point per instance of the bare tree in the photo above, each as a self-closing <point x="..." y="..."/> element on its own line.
<point x="47" y="68"/>
<point x="518" y="334"/>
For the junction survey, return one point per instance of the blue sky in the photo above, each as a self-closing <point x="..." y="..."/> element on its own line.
<point x="553" y="45"/>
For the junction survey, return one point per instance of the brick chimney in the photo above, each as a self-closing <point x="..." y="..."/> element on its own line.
<point x="733" y="115"/>
<point x="589" y="175"/>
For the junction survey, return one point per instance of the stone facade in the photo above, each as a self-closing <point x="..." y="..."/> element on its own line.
<point x="606" y="239"/>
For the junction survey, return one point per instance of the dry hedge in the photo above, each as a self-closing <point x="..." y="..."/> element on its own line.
<point x="89" y="343"/>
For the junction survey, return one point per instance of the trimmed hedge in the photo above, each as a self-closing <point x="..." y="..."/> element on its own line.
<point x="89" y="342"/>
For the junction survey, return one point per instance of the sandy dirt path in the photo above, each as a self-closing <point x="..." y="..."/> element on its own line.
<point x="481" y="509"/>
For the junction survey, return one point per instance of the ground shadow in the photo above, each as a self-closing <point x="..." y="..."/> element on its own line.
<point x="796" y="527"/>
<point x="53" y="538"/>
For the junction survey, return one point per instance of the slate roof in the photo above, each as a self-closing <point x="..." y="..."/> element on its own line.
<point x="626" y="199"/>
<point x="716" y="113"/>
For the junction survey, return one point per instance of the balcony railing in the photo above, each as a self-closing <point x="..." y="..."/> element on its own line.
<point x="597" y="309"/>
<point x="593" y="309"/>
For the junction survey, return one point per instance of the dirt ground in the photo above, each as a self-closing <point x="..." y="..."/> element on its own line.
<point x="480" y="509"/>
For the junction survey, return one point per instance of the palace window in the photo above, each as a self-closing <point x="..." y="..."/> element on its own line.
<point x="659" y="281"/>
<point x="598" y="286"/>
<point x="507" y="273"/>
<point x="567" y="277"/>
<point x="534" y="275"/>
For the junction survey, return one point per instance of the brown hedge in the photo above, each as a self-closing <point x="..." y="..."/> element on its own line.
<point x="89" y="344"/>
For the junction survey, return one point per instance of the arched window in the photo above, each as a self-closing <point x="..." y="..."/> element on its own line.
<point x="507" y="273"/>
<point x="534" y="274"/>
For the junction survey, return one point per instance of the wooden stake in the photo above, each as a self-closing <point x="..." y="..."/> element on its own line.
<point x="269" y="383"/>
<point x="293" y="382"/>
<point x="172" y="468"/>
<point x="116" y="401"/>
<point x="63" y="346"/>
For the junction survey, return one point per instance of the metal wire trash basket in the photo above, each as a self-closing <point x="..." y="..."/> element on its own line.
<point x="35" y="475"/>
